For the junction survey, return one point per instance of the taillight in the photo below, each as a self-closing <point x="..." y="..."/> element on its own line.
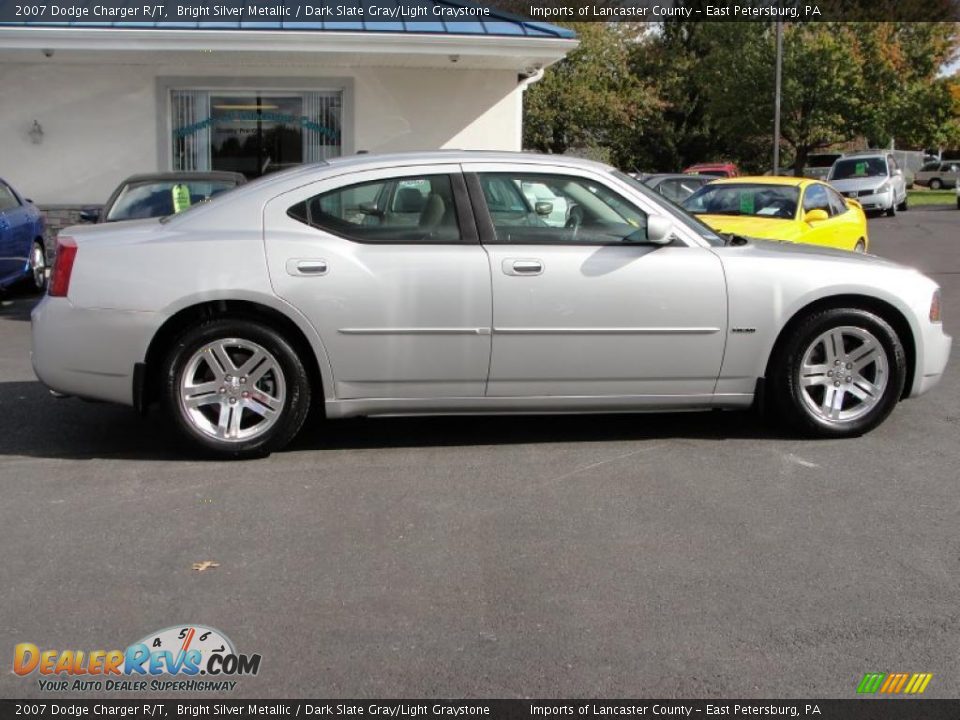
<point x="63" y="266"/>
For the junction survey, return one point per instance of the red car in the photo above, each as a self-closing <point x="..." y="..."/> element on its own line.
<point x="720" y="169"/>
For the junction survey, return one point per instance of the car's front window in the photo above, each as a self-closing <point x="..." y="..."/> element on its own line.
<point x="752" y="200"/>
<point x="852" y="168"/>
<point x="160" y="198"/>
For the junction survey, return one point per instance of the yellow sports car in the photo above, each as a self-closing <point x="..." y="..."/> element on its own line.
<point x="781" y="208"/>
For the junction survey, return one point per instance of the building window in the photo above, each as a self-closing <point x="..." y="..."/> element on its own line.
<point x="253" y="132"/>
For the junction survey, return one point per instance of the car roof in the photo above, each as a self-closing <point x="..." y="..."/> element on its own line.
<point x="184" y="175"/>
<point x="768" y="180"/>
<point x="679" y="176"/>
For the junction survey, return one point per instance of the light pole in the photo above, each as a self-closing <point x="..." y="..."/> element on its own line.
<point x="776" y="101"/>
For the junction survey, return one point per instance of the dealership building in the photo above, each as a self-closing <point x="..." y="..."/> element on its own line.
<point x="88" y="104"/>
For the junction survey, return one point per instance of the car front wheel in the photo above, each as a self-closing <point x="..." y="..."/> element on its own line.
<point x="236" y="388"/>
<point x="839" y="374"/>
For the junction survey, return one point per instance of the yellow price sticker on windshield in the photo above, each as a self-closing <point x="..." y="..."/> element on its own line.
<point x="181" y="197"/>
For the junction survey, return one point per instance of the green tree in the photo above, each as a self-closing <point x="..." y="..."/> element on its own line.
<point x="590" y="99"/>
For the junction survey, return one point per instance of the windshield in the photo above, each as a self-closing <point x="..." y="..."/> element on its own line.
<point x="759" y="200"/>
<point x="859" y="168"/>
<point x="157" y="199"/>
<point x="677" y="211"/>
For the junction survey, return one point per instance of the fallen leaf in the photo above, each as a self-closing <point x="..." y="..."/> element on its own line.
<point x="201" y="566"/>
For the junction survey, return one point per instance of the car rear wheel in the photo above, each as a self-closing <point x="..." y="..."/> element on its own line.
<point x="37" y="267"/>
<point x="839" y="374"/>
<point x="236" y="388"/>
<point x="936" y="184"/>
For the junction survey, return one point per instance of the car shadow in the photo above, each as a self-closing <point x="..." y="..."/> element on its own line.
<point x="36" y="424"/>
<point x="16" y="304"/>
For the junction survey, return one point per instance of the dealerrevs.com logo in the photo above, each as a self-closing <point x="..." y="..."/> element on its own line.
<point x="188" y="658"/>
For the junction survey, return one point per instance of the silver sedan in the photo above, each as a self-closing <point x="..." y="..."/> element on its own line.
<point x="430" y="283"/>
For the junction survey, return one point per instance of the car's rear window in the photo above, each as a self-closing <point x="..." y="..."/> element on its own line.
<point x="157" y="199"/>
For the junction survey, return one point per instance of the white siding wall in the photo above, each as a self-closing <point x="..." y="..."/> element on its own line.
<point x="100" y="122"/>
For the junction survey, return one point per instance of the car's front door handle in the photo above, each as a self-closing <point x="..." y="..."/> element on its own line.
<point x="522" y="266"/>
<point x="298" y="266"/>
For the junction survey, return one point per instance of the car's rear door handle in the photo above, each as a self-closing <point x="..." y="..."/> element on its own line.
<point x="300" y="266"/>
<point x="522" y="266"/>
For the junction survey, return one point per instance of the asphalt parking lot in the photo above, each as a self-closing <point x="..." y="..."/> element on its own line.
<point x="691" y="555"/>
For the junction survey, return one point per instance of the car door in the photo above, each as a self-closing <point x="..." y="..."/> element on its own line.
<point x="590" y="309"/>
<point x="403" y="306"/>
<point x="15" y="231"/>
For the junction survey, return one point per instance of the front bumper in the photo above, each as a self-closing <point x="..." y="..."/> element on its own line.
<point x="89" y="353"/>
<point x="932" y="357"/>
<point x="872" y="201"/>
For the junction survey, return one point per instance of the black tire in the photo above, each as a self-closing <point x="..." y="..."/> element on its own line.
<point x="294" y="379"/>
<point x="892" y="210"/>
<point x="788" y="394"/>
<point x="860" y="247"/>
<point x="905" y="205"/>
<point x="936" y="184"/>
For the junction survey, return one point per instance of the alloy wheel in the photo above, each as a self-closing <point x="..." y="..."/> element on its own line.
<point x="38" y="266"/>
<point x="843" y="375"/>
<point x="232" y="390"/>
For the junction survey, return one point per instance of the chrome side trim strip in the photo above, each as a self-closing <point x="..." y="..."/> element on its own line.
<point x="414" y="331"/>
<point x="607" y="331"/>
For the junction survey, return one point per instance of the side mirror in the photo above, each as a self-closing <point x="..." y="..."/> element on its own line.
<point x="659" y="230"/>
<point x="817" y="215"/>
<point x="90" y="214"/>
<point x="543" y="208"/>
<point x="898" y="172"/>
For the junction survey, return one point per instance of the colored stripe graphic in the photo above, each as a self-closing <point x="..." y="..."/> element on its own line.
<point x="894" y="683"/>
<point x="871" y="682"/>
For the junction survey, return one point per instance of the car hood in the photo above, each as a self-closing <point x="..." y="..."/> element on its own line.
<point x="784" y="251"/>
<point x="752" y="226"/>
<point x="867" y="183"/>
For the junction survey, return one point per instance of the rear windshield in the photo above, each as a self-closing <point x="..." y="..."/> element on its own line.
<point x="158" y="199"/>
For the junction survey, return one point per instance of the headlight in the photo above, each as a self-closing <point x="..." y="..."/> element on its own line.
<point x="882" y="189"/>
<point x="935" y="307"/>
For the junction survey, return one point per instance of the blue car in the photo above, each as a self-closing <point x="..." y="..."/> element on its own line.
<point x="22" y="255"/>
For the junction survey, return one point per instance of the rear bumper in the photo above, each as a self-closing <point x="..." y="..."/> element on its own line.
<point x="90" y="353"/>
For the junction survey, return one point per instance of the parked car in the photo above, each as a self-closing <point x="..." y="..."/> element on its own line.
<point x="240" y="313"/>
<point x="676" y="186"/>
<point x="717" y="169"/>
<point x="874" y="180"/>
<point x="819" y="164"/>
<point x="936" y="175"/>
<point x="781" y="208"/>
<point x="23" y="257"/>
<point x="158" y="194"/>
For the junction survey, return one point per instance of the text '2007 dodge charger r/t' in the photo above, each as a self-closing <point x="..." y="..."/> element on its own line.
<point x="430" y="283"/>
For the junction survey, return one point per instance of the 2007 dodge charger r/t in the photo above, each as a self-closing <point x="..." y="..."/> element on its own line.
<point x="433" y="283"/>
